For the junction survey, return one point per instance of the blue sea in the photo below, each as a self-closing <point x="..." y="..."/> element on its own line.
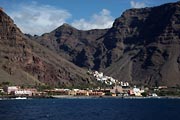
<point x="90" y="109"/>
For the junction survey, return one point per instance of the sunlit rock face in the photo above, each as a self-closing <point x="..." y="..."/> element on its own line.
<point x="26" y="62"/>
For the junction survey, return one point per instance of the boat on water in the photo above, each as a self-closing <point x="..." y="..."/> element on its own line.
<point x="20" y="98"/>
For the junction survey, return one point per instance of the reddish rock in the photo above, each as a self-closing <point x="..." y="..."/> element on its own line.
<point x="23" y="61"/>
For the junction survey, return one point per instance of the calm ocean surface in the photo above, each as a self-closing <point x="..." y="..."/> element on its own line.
<point x="90" y="109"/>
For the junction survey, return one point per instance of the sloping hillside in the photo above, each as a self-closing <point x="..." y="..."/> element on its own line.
<point x="23" y="61"/>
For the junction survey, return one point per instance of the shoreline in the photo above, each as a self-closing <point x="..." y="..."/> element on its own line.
<point x="85" y="97"/>
<point x="116" y="97"/>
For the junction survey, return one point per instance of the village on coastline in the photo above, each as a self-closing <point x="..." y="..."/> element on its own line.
<point x="114" y="88"/>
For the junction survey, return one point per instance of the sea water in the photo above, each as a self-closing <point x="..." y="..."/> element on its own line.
<point x="90" y="109"/>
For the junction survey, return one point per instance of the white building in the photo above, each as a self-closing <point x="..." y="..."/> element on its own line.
<point x="16" y="90"/>
<point x="107" y="79"/>
<point x="23" y="92"/>
<point x="11" y="89"/>
<point x="137" y="91"/>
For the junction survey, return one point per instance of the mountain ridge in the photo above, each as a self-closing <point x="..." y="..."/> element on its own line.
<point x="26" y="62"/>
<point x="143" y="43"/>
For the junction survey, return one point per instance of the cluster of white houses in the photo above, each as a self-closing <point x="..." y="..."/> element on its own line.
<point x="120" y="86"/>
<point x="107" y="79"/>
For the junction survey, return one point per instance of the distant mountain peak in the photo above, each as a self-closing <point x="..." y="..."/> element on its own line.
<point x="66" y="25"/>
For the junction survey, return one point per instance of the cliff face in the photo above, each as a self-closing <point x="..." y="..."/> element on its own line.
<point x="142" y="47"/>
<point x="74" y="45"/>
<point x="25" y="62"/>
<point x="151" y="41"/>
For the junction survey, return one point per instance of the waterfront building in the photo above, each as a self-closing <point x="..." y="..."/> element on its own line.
<point x="23" y="93"/>
<point x="82" y="93"/>
<point x="11" y="89"/>
<point x="16" y="90"/>
<point x="58" y="91"/>
<point x="136" y="92"/>
<point x="26" y="92"/>
<point x="117" y="89"/>
<point x="96" y="94"/>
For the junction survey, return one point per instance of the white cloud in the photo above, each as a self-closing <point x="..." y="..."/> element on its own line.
<point x="39" y="19"/>
<point x="135" y="4"/>
<point x="98" y="21"/>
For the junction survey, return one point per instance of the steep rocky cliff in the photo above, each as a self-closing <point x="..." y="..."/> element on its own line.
<point x="142" y="47"/>
<point x="25" y="62"/>
<point x="74" y="45"/>
<point x="151" y="41"/>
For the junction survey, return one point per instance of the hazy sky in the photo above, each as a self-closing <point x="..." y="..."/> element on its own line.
<point x="40" y="16"/>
